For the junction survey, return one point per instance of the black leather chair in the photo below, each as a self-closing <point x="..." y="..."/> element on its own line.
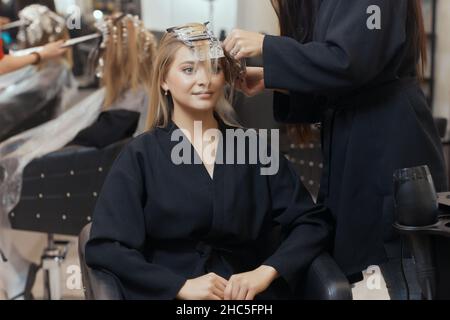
<point x="60" y="190"/>
<point x="324" y="280"/>
<point x="59" y="193"/>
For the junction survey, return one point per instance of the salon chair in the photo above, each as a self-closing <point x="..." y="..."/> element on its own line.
<point x="58" y="196"/>
<point x="324" y="280"/>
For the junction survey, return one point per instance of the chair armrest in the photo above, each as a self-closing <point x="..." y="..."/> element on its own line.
<point x="103" y="286"/>
<point x="98" y="285"/>
<point x="326" y="281"/>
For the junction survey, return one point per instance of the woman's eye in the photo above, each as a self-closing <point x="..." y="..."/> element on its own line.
<point x="188" y="70"/>
<point x="217" y="70"/>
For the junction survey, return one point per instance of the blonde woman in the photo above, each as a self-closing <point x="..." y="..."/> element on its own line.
<point x="200" y="231"/>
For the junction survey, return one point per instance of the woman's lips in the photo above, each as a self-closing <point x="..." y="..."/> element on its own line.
<point x="204" y="95"/>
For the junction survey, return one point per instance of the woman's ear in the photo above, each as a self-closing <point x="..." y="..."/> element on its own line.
<point x="165" y="86"/>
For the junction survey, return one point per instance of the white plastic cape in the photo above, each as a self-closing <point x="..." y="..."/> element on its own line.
<point x="15" y="77"/>
<point x="17" y="152"/>
<point x="28" y="92"/>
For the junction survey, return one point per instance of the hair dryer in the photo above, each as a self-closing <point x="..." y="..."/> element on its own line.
<point x="416" y="205"/>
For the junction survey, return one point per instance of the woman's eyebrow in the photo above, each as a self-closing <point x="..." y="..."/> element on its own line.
<point x="187" y="62"/>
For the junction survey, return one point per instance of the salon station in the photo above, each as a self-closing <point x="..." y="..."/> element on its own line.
<point x="91" y="89"/>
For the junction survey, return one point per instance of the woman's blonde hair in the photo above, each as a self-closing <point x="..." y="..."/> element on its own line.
<point x="126" y="57"/>
<point x="161" y="105"/>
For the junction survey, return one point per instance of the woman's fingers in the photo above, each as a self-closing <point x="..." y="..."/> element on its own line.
<point x="243" y="291"/>
<point x="228" y="291"/>
<point x="219" y="292"/>
<point x="250" y="295"/>
<point x="230" y="44"/>
<point x="241" y="54"/>
<point x="235" y="292"/>
<point x="230" y="40"/>
<point x="214" y="297"/>
<point x="221" y="285"/>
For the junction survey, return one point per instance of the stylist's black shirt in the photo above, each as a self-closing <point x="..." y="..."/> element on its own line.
<point x="360" y="83"/>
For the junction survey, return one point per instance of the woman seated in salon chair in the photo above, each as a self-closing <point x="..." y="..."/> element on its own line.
<point x="174" y="222"/>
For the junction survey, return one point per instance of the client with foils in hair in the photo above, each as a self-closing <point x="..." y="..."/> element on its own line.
<point x="177" y="222"/>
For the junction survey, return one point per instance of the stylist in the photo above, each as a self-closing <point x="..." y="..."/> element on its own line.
<point x="353" y="66"/>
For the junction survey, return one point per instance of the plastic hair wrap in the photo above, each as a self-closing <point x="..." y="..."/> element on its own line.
<point x="31" y="97"/>
<point x="41" y="25"/>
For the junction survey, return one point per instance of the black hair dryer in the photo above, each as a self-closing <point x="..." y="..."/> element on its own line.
<point x="416" y="206"/>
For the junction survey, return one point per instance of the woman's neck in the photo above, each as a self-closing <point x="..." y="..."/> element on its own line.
<point x="185" y="119"/>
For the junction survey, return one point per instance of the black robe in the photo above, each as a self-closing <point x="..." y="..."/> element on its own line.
<point x="157" y="224"/>
<point x="361" y="85"/>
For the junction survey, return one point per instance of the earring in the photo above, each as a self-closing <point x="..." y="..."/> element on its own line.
<point x="166" y="93"/>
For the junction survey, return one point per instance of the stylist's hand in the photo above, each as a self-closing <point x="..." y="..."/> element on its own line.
<point x="3" y="21"/>
<point x="244" y="44"/>
<point x="53" y="50"/>
<point x="246" y="286"/>
<point x="208" y="287"/>
<point x="252" y="83"/>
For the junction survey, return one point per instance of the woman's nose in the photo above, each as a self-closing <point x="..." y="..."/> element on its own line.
<point x="203" y="77"/>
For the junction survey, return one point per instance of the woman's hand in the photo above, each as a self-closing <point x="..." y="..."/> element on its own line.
<point x="208" y="287"/>
<point x="246" y="286"/>
<point x="244" y="44"/>
<point x="3" y="21"/>
<point x="252" y="83"/>
<point x="53" y="50"/>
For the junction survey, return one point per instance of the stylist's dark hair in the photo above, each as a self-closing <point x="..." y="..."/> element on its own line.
<point x="297" y="19"/>
<point x="415" y="34"/>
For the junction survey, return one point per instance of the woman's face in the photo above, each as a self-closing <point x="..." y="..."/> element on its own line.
<point x="190" y="83"/>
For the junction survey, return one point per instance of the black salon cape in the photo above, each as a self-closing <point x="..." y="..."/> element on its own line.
<point x="157" y="224"/>
<point x="111" y="126"/>
<point x="361" y="85"/>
